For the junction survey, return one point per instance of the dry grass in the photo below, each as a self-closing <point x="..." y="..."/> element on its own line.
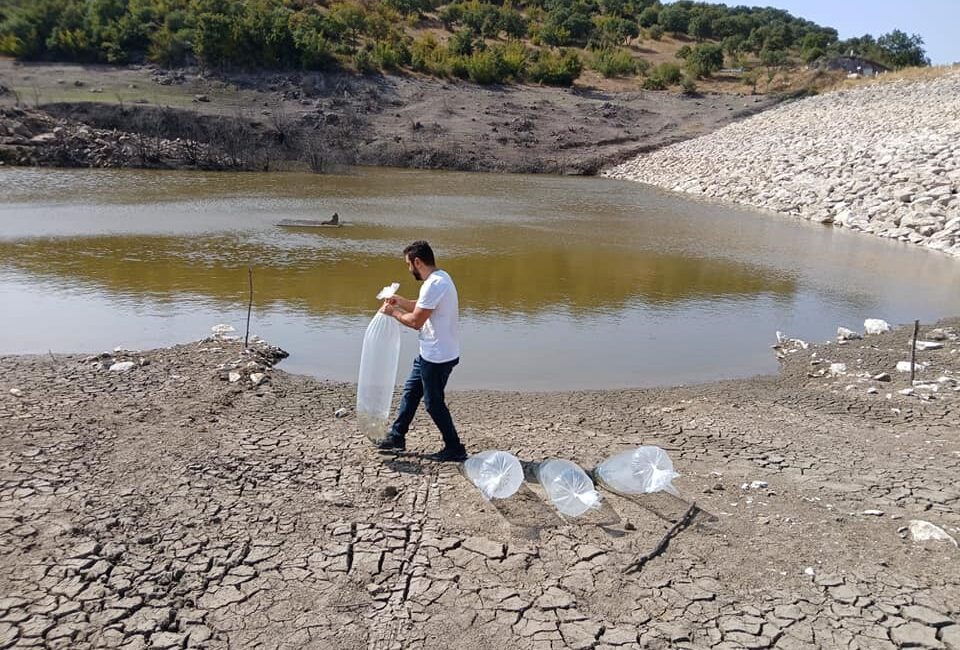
<point x="906" y="74"/>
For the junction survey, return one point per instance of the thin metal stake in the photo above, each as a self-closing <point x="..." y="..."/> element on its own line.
<point x="246" y="336"/>
<point x="913" y="351"/>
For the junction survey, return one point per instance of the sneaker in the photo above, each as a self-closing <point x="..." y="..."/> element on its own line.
<point x="450" y="455"/>
<point x="392" y="442"/>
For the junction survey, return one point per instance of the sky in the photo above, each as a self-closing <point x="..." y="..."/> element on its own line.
<point x="936" y="21"/>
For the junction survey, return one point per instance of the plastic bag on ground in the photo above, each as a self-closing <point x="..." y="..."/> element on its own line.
<point x="568" y="487"/>
<point x="379" y="359"/>
<point x="639" y="471"/>
<point x="497" y="474"/>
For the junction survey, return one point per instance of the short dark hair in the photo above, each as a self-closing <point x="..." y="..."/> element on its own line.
<point x="422" y="250"/>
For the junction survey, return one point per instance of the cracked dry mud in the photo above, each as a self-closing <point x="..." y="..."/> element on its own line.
<point x="164" y="507"/>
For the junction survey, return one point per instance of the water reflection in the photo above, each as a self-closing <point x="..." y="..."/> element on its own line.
<point x="333" y="280"/>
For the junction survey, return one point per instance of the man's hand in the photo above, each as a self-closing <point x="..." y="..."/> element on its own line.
<point x="387" y="307"/>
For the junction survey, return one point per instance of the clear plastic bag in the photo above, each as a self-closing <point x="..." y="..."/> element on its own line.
<point x="639" y="471"/>
<point x="568" y="487"/>
<point x="379" y="359"/>
<point x="497" y="474"/>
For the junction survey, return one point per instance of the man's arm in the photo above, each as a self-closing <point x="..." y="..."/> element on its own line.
<point x="404" y="303"/>
<point x="412" y="319"/>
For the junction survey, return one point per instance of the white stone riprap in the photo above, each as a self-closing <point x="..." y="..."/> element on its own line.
<point x="882" y="159"/>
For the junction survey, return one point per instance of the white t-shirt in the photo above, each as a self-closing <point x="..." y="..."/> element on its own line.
<point x="440" y="335"/>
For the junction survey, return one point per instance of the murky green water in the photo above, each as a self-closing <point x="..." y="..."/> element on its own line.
<point x="564" y="282"/>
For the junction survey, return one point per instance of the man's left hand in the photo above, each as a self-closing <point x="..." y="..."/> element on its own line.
<point x="387" y="308"/>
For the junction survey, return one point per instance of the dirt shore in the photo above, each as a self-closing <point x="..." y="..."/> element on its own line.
<point x="164" y="506"/>
<point x="328" y="119"/>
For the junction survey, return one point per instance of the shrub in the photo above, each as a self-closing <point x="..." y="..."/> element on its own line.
<point x="426" y="55"/>
<point x="363" y="62"/>
<point x="556" y="69"/>
<point x="461" y="42"/>
<point x="451" y="15"/>
<point x="513" y="22"/>
<point x="663" y="76"/>
<point x="388" y="56"/>
<point x="513" y="59"/>
<point x="485" y="68"/>
<point x="811" y="55"/>
<point x="656" y="32"/>
<point x="654" y="83"/>
<point x="457" y="66"/>
<point x="614" y="63"/>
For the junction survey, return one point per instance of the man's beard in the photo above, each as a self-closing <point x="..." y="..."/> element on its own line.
<point x="416" y="275"/>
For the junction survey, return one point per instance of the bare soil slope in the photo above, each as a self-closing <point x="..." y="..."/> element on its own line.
<point x="380" y="120"/>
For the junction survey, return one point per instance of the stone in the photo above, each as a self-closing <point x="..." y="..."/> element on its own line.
<point x="122" y="366"/>
<point x="844" y="334"/>
<point x="929" y="345"/>
<point x="922" y="531"/>
<point x="876" y="326"/>
<point x="904" y="366"/>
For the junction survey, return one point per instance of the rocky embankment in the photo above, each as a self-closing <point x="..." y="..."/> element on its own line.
<point x="35" y="137"/>
<point x="882" y="159"/>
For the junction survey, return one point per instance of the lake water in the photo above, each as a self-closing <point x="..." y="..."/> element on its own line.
<point x="564" y="282"/>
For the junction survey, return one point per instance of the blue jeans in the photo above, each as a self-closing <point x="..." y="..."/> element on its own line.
<point x="427" y="381"/>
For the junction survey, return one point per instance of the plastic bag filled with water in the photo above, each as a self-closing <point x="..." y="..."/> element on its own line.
<point x="639" y="471"/>
<point x="378" y="371"/>
<point x="497" y="474"/>
<point x="568" y="487"/>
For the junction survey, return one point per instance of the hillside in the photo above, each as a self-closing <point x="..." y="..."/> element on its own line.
<point x="637" y="43"/>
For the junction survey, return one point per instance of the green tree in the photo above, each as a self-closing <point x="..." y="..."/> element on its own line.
<point x="704" y="60"/>
<point x="700" y="27"/>
<point x="773" y="58"/>
<point x="214" y="42"/>
<point x="902" y="51"/>
<point x="649" y="16"/>
<point x="674" y="18"/>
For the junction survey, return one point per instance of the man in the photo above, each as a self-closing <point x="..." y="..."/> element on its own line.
<point x="435" y="315"/>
